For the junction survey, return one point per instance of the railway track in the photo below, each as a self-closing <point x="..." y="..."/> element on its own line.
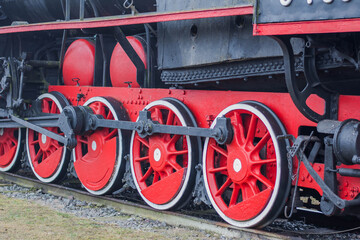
<point x="171" y="218"/>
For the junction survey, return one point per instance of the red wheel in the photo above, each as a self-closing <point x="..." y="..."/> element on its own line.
<point x="247" y="180"/>
<point x="48" y="158"/>
<point x="10" y="149"/>
<point x="162" y="165"/>
<point x="99" y="156"/>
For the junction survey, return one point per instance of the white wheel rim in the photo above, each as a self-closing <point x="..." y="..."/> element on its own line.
<point x="270" y="205"/>
<point x="174" y="201"/>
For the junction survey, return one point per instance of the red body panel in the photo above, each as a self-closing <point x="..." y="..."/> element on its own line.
<point x="309" y="27"/>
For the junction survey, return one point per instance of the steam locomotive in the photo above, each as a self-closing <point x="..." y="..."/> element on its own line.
<point x="248" y="106"/>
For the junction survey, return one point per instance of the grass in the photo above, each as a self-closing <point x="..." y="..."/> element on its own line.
<point x="22" y="219"/>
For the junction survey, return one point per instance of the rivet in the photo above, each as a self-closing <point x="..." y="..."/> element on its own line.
<point x="140" y="90"/>
<point x="346" y="184"/>
<point x="302" y="178"/>
<point x="352" y="195"/>
<point x="310" y="180"/>
<point x="319" y="168"/>
<point x="131" y="102"/>
<point x="169" y="91"/>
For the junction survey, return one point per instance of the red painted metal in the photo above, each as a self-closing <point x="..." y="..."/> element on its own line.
<point x="8" y="146"/>
<point x="134" y="100"/>
<point x="308" y="27"/>
<point x="242" y="193"/>
<point x="79" y="63"/>
<point x="96" y="154"/>
<point x="130" y="20"/>
<point x="45" y="153"/>
<point x="121" y="67"/>
<point x="160" y="161"/>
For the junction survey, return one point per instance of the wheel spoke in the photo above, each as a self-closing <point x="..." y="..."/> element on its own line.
<point x="46" y="106"/>
<point x="219" y="150"/>
<point x="215" y="170"/>
<point x="234" y="195"/>
<point x="37" y="156"/>
<point x="174" y="165"/>
<point x="239" y="128"/>
<point x="111" y="134"/>
<point x="264" y="161"/>
<point x="262" y="142"/>
<point x="141" y="159"/>
<point x="263" y="180"/>
<point x="223" y="187"/>
<point x="251" y="131"/>
<point x="53" y="108"/>
<point x="147" y="174"/>
<point x="159" y="116"/>
<point x="84" y="141"/>
<point x="180" y="152"/>
<point x="170" y="118"/>
<point x="34" y="142"/>
<point x="110" y="116"/>
<point x="143" y="141"/>
<point x="156" y="177"/>
<point x="174" y="140"/>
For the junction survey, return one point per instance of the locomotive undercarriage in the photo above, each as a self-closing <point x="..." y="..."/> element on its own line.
<point x="230" y="130"/>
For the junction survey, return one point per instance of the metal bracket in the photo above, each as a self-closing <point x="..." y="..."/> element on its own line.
<point x="134" y="57"/>
<point x="313" y="84"/>
<point x="327" y="191"/>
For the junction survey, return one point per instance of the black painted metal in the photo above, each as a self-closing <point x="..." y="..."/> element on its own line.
<point x="299" y="10"/>
<point x="34" y="11"/>
<point x="327" y="206"/>
<point x="347" y="142"/>
<point x="313" y="86"/>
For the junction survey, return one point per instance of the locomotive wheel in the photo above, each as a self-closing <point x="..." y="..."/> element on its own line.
<point x="10" y="149"/>
<point x="248" y="180"/>
<point x="48" y="158"/>
<point x="163" y="165"/>
<point x="99" y="156"/>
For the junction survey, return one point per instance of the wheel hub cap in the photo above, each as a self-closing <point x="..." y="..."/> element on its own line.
<point x="237" y="165"/>
<point x="157" y="155"/>
<point x="43" y="138"/>
<point x="93" y="145"/>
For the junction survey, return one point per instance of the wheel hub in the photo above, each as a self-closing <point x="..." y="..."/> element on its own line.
<point x="238" y="166"/>
<point x="158" y="157"/>
<point x="44" y="142"/>
<point x="95" y="143"/>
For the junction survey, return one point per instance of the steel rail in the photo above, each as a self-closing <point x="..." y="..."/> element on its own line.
<point x="170" y="218"/>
